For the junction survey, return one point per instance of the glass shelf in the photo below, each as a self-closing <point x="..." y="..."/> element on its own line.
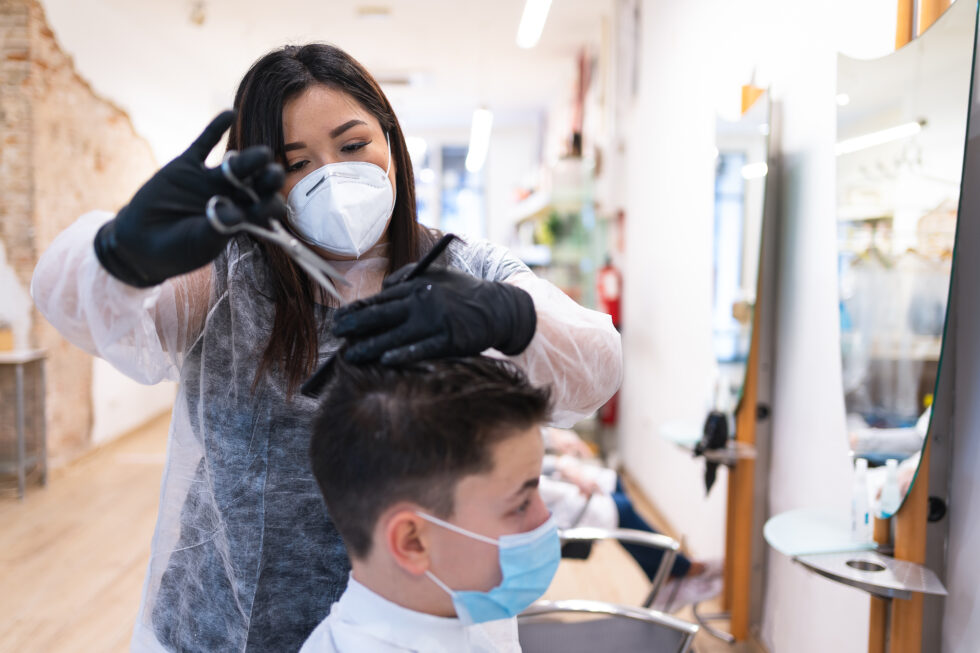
<point x="874" y="573"/>
<point x="822" y="543"/>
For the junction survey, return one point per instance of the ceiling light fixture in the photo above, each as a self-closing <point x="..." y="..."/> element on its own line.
<point x="881" y="137"/>
<point x="532" y="22"/>
<point x="373" y="12"/>
<point x="198" y="12"/>
<point x="479" y="139"/>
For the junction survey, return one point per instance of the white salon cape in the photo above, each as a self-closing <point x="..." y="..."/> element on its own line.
<point x="244" y="556"/>
<point x="364" y="622"/>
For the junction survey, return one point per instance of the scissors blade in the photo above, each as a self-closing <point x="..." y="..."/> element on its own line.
<point x="321" y="271"/>
<point x="301" y="252"/>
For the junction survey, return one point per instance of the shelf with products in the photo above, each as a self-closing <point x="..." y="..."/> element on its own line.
<point x="560" y="235"/>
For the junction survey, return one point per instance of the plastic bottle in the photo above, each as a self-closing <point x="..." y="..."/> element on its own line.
<point x="860" y="514"/>
<point x="889" y="493"/>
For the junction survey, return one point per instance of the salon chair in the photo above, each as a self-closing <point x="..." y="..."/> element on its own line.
<point x="548" y="626"/>
<point x="577" y="544"/>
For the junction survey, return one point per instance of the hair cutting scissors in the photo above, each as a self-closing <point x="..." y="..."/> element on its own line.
<point x="321" y="271"/>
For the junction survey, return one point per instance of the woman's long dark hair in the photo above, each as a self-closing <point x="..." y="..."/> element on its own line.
<point x="273" y="80"/>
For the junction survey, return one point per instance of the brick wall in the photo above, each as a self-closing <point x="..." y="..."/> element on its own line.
<point x="64" y="151"/>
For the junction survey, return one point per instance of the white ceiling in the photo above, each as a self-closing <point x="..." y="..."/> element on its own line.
<point x="172" y="75"/>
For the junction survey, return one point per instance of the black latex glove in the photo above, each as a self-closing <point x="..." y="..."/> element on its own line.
<point x="163" y="231"/>
<point x="437" y="314"/>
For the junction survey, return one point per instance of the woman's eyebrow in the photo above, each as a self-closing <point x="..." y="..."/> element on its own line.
<point x="337" y="131"/>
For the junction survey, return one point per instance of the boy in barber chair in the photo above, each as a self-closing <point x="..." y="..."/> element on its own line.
<point x="430" y="473"/>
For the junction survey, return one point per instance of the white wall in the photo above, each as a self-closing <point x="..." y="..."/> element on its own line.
<point x="669" y="168"/>
<point x="120" y="404"/>
<point x="690" y="51"/>
<point x="810" y="465"/>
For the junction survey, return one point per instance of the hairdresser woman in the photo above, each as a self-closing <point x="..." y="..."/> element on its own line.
<point x="244" y="557"/>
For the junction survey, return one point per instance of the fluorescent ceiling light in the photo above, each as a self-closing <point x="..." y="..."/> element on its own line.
<point x="843" y="99"/>
<point x="532" y="22"/>
<point x="479" y="139"/>
<point x="373" y="11"/>
<point x="878" y="138"/>
<point x="755" y="170"/>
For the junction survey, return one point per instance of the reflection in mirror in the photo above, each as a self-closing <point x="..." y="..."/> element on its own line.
<point x="740" y="183"/>
<point x="901" y="131"/>
<point x="740" y="179"/>
<point x="741" y="155"/>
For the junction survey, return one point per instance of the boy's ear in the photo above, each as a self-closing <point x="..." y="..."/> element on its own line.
<point x="406" y="538"/>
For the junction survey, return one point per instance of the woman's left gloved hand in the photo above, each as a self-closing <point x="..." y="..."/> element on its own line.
<point x="437" y="314"/>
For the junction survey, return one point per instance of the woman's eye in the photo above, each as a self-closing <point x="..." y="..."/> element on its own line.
<point x="353" y="147"/>
<point x="299" y="165"/>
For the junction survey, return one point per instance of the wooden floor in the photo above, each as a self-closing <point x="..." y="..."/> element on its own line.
<point x="73" y="555"/>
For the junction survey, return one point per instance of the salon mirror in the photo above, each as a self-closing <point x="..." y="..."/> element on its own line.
<point x="741" y="155"/>
<point x="901" y="129"/>
<point x="740" y="189"/>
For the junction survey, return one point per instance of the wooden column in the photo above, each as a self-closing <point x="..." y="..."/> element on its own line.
<point x="750" y="94"/>
<point x="741" y="478"/>
<point x="904" y="30"/>
<point x="878" y="625"/>
<point x="741" y="489"/>
<point x="929" y="11"/>
<point x="730" y="519"/>
<point x="905" y="629"/>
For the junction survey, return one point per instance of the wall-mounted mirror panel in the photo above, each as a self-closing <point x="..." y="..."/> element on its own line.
<point x="741" y="155"/>
<point x="901" y="133"/>
<point x="740" y="189"/>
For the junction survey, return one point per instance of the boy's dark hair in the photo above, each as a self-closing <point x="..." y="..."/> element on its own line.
<point x="410" y="433"/>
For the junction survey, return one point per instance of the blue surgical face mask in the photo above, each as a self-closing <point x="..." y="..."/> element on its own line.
<point x="528" y="562"/>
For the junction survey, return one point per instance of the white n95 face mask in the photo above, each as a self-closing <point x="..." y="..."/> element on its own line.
<point x="343" y="207"/>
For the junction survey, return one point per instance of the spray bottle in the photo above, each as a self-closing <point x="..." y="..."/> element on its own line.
<point x="860" y="513"/>
<point x="889" y="493"/>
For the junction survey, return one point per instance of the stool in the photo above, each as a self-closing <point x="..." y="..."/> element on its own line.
<point x="22" y="422"/>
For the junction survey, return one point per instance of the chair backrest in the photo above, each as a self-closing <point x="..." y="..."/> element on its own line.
<point x="577" y="543"/>
<point x="615" y="629"/>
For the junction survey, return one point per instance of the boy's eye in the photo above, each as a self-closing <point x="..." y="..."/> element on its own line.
<point x="299" y="165"/>
<point x="353" y="147"/>
<point x="524" y="505"/>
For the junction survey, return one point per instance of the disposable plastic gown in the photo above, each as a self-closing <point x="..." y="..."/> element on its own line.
<point x="245" y="557"/>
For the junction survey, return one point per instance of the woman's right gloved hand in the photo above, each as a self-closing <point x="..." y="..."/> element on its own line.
<point x="163" y="231"/>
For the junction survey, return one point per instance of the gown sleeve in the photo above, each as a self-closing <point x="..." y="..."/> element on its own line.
<point x="142" y="332"/>
<point x="575" y="350"/>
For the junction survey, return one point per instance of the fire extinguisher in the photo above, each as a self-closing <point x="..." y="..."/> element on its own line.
<point x="609" y="291"/>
